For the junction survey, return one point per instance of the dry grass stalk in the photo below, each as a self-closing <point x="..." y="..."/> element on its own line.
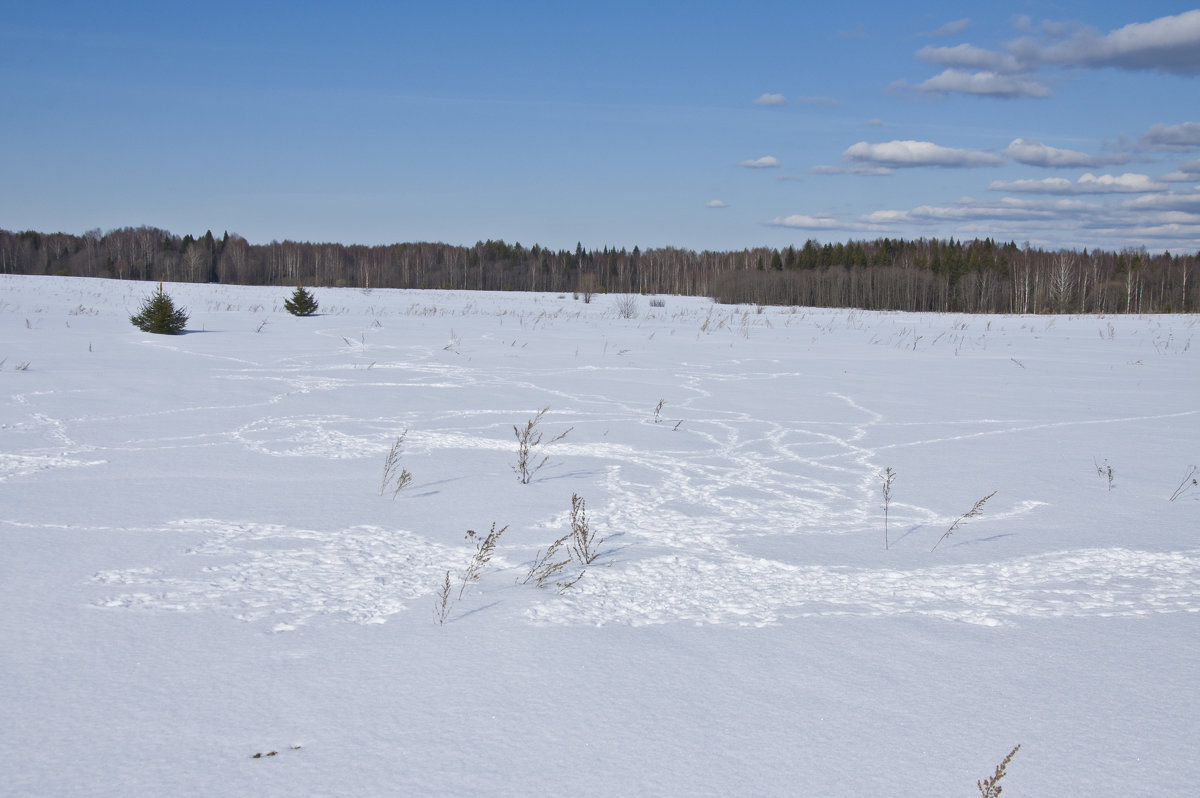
<point x="1189" y="482"/>
<point x="528" y="440"/>
<point x="390" y="464"/>
<point x="402" y="481"/>
<point x="658" y="411"/>
<point x="990" y="788"/>
<point x="547" y="566"/>
<point x="975" y="511"/>
<point x="888" y="477"/>
<point x="485" y="547"/>
<point x="563" y="587"/>
<point x="583" y="542"/>
<point x="443" y="602"/>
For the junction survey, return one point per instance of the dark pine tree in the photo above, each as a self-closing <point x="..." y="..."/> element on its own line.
<point x="159" y="315"/>
<point x="302" y="303"/>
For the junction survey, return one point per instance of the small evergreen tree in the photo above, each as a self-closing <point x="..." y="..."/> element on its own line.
<point x="159" y="315"/>
<point x="302" y="303"/>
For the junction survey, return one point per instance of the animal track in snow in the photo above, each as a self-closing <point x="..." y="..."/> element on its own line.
<point x="361" y="574"/>
<point x="21" y="465"/>
<point x="310" y="436"/>
<point x="1111" y="582"/>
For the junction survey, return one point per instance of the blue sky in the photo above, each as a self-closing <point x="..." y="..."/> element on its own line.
<point x="696" y="125"/>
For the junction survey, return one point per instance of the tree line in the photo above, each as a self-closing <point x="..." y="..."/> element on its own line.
<point x="978" y="276"/>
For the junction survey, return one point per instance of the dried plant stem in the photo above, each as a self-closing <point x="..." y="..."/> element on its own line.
<point x="583" y="541"/>
<point x="485" y="547"/>
<point x="975" y="511"/>
<point x="990" y="788"/>
<point x="390" y="464"/>
<point x="546" y="566"/>
<point x="528" y="440"/>
<point x="441" y="607"/>
<point x="402" y="481"/>
<point x="888" y="477"/>
<point x="1189" y="482"/>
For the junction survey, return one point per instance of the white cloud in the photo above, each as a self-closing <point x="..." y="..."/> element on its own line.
<point x="1171" y="138"/>
<point x="874" y="123"/>
<point x="1128" y="183"/>
<point x="986" y="83"/>
<point x="771" y="99"/>
<point x="715" y="204"/>
<point x="1034" y="153"/>
<point x="765" y="162"/>
<point x="905" y="154"/>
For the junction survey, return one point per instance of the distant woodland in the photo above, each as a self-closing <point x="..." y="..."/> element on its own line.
<point x="979" y="276"/>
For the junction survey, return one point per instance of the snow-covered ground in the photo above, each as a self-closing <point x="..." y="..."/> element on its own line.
<point x="197" y="564"/>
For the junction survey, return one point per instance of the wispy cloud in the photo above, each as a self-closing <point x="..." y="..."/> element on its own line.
<point x="770" y="99"/>
<point x="1182" y="201"/>
<point x="1171" y="138"/>
<point x="1167" y="44"/>
<point x="1172" y="220"/>
<point x="1128" y="183"/>
<point x="715" y="204"/>
<point x="826" y="101"/>
<point x="969" y="210"/>
<point x="952" y="28"/>
<point x="765" y="162"/>
<point x="1186" y="172"/>
<point x="852" y="169"/>
<point x="1035" y="153"/>
<point x="806" y="222"/>
<point x="984" y="83"/>
<point x="874" y="123"/>
<point x="908" y="154"/>
<point x="800" y="221"/>
<point x="968" y="56"/>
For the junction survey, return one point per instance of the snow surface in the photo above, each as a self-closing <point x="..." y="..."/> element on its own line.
<point x="197" y="564"/>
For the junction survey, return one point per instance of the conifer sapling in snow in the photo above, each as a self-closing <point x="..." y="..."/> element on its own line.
<point x="302" y="303"/>
<point x="159" y="315"/>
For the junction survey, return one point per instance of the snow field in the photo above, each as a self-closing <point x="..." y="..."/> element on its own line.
<point x="196" y="548"/>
